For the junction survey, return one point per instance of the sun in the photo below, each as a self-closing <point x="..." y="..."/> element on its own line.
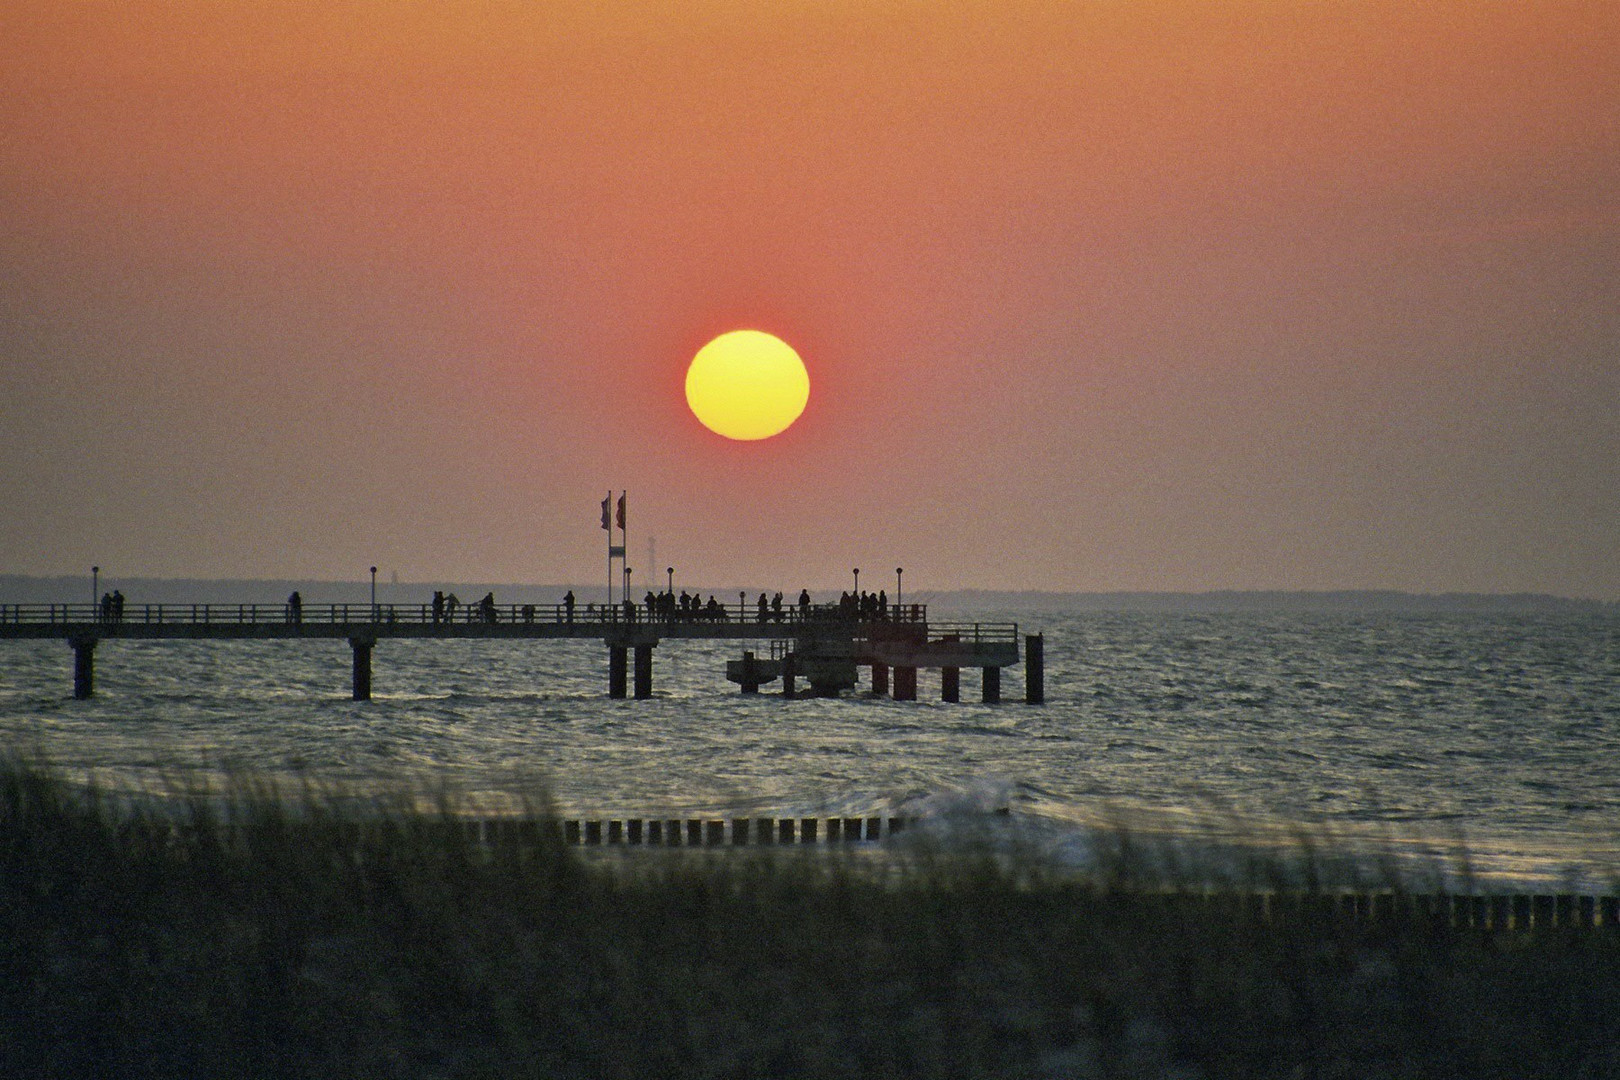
<point x="747" y="385"/>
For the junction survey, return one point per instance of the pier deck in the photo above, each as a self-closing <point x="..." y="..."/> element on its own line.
<point x="824" y="643"/>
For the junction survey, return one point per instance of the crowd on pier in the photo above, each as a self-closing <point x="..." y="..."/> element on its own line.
<point x="667" y="607"/>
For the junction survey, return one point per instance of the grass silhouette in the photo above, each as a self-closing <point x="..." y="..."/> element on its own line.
<point x="261" y="931"/>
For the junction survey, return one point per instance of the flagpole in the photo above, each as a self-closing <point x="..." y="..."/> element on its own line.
<point x="607" y="524"/>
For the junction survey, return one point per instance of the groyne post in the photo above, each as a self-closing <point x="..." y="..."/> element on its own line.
<point x="950" y="684"/>
<point x="362" y="667"/>
<point x="750" y="673"/>
<point x="880" y="679"/>
<point x="790" y="671"/>
<point x="1035" y="669"/>
<point x="992" y="685"/>
<point x="643" y="672"/>
<point x="84" y="666"/>
<point x="618" y="670"/>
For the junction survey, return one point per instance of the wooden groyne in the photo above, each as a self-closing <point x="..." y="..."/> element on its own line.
<point x="1455" y="911"/>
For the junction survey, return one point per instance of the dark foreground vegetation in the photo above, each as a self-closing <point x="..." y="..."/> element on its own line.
<point x="277" y="934"/>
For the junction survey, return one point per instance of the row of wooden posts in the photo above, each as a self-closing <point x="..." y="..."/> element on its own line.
<point x="688" y="832"/>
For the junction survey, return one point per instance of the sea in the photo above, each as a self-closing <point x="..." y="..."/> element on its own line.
<point x="1470" y="749"/>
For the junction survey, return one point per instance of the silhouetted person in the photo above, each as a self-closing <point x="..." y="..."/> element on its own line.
<point x="804" y="603"/>
<point x="486" y="607"/>
<point x="438" y="606"/>
<point x="118" y="605"/>
<point x="295" y="607"/>
<point x="764" y="607"/>
<point x="568" y="606"/>
<point x="450" y="605"/>
<point x="776" y="607"/>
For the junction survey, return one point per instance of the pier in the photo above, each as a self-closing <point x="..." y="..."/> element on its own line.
<point x="822" y="646"/>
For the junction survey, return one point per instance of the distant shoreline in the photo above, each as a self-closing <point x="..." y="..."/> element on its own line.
<point x="28" y="589"/>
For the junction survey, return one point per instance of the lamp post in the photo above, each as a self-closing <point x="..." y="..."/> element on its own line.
<point x="857" y="582"/>
<point x="95" y="585"/>
<point x="373" y="594"/>
<point x="670" y="570"/>
<point x="899" y="594"/>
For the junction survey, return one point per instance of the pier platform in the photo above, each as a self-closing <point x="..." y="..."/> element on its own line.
<point x="822" y="646"/>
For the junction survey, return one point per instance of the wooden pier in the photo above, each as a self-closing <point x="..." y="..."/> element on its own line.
<point x="822" y="645"/>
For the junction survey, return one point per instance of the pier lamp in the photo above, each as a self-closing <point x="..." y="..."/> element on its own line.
<point x="95" y="585"/>
<point x="857" y="581"/>
<point x="373" y="592"/>
<point x="898" y="592"/>
<point x="670" y="570"/>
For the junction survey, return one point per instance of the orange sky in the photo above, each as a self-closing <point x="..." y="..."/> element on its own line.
<point x="1106" y="295"/>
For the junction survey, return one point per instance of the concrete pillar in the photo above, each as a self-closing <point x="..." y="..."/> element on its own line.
<point x="618" y="664"/>
<point x="950" y="684"/>
<point x="1035" y="669"/>
<point x="643" y="672"/>
<point x="362" y="667"/>
<point x="905" y="683"/>
<point x="750" y="673"/>
<point x="880" y="679"/>
<point x="790" y="671"/>
<point x="992" y="685"/>
<point x="84" y="667"/>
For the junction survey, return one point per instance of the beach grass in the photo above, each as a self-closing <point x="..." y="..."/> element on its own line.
<point x="261" y="931"/>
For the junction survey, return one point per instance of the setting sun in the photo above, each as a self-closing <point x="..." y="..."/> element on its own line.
<point x="747" y="385"/>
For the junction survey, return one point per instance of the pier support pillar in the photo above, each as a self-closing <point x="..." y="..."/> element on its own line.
<point x="750" y="673"/>
<point x="643" y="672"/>
<point x="790" y="671"/>
<point x="84" y="667"/>
<point x="880" y="679"/>
<point x="950" y="684"/>
<point x="1035" y="669"/>
<point x="362" y="667"/>
<point x="992" y="685"/>
<point x="905" y="683"/>
<point x="618" y="670"/>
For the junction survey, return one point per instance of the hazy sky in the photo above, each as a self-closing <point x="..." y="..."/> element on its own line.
<point x="1094" y="295"/>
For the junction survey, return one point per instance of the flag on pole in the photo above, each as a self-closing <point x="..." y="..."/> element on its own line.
<point x="620" y="521"/>
<point x="607" y="522"/>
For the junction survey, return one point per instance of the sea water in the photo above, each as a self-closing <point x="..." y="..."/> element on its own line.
<point x="1429" y="735"/>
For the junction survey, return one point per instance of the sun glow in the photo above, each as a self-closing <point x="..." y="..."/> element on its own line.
<point x="747" y="385"/>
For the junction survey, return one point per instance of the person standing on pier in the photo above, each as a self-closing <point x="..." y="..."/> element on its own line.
<point x="295" y="608"/>
<point x="451" y="602"/>
<point x="486" y="607"/>
<point x="568" y="606"/>
<point x="438" y="606"/>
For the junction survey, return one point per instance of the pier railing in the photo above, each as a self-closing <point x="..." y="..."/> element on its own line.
<point x="81" y="615"/>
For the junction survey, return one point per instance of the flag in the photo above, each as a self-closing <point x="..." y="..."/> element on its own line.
<point x="606" y="521"/>
<point x="620" y="521"/>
